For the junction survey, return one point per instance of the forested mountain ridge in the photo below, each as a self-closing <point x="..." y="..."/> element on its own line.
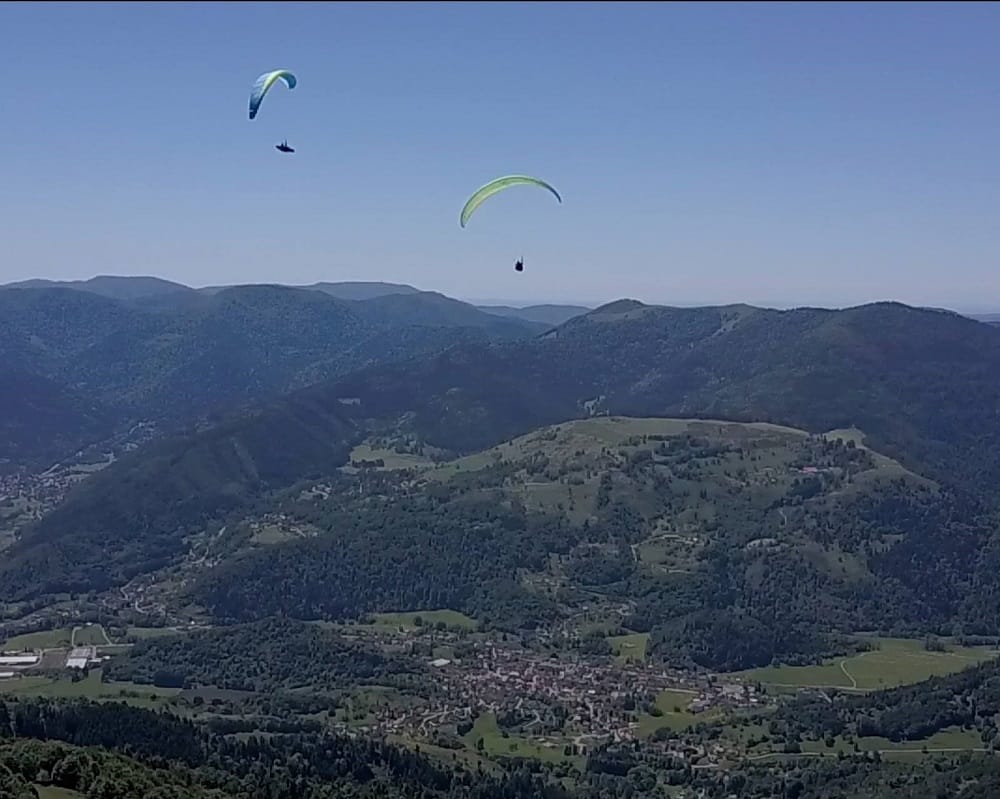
<point x="926" y="384"/>
<point x="132" y="517"/>
<point x="176" y="357"/>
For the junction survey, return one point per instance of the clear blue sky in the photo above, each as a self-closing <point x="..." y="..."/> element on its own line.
<point x="776" y="153"/>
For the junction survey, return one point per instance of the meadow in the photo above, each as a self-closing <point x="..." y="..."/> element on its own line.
<point x="894" y="662"/>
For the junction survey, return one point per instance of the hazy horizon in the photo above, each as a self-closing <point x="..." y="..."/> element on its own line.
<point x="774" y="154"/>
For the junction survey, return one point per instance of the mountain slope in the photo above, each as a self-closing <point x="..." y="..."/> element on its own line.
<point x="43" y="418"/>
<point x="132" y="518"/>
<point x="175" y="357"/>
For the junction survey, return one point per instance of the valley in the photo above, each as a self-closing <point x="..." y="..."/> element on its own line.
<point x="556" y="660"/>
<point x="665" y="464"/>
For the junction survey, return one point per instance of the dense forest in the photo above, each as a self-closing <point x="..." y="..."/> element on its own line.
<point x="397" y="552"/>
<point x="266" y="656"/>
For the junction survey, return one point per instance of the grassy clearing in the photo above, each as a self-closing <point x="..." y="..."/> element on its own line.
<point x="468" y="756"/>
<point x="592" y="435"/>
<point x="897" y="661"/>
<point x="408" y="620"/>
<point x="632" y="647"/>
<point x="824" y="675"/>
<point x="900" y="661"/>
<point x="270" y="534"/>
<point x="90" y="687"/>
<point x="950" y="738"/>
<point x="834" y="562"/>
<point x="52" y="792"/>
<point x="885" y="467"/>
<point x="90" y="635"/>
<point x="390" y="458"/>
<point x="48" y="639"/>
<point x="673" y="704"/>
<point x="496" y="745"/>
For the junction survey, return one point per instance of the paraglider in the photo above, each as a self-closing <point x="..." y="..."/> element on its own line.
<point x="494" y="186"/>
<point x="264" y="83"/>
<point x="483" y="193"/>
<point x="284" y="147"/>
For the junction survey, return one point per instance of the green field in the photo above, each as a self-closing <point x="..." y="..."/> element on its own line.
<point x="48" y="639"/>
<point x="90" y="687"/>
<point x="592" y="435"/>
<point x="408" y="620"/>
<point x="675" y="716"/>
<point x="630" y="647"/>
<point x="950" y="738"/>
<point x="391" y="459"/>
<point x="51" y="792"/>
<point x="90" y="635"/>
<point x="270" y="534"/>
<point x="495" y="745"/>
<point x="896" y="661"/>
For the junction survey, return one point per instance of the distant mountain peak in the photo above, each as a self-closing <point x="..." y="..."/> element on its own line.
<point x="116" y="287"/>
<point x="619" y="306"/>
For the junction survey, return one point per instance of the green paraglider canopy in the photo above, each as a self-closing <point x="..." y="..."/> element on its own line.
<point x="498" y="185"/>
<point x="265" y="82"/>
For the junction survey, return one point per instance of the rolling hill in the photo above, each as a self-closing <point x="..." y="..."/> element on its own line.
<point x="731" y="544"/>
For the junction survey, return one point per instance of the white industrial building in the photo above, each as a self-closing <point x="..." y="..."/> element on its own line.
<point x="18" y="660"/>
<point x="80" y="657"/>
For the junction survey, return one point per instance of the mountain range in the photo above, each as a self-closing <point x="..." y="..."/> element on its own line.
<point x="131" y="350"/>
<point x="720" y="489"/>
<point x="149" y="289"/>
<point x="922" y="386"/>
